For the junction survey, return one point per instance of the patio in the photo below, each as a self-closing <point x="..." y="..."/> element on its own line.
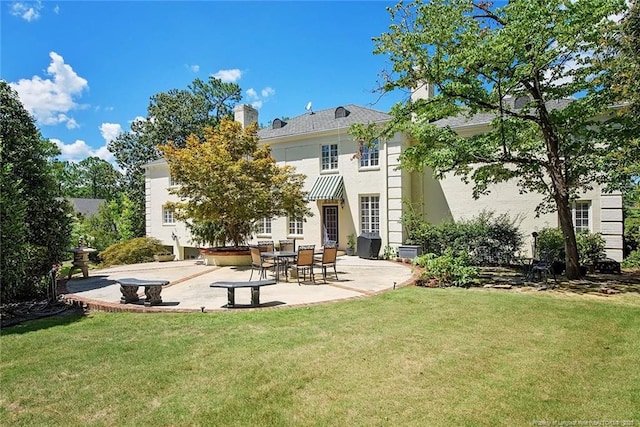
<point x="189" y="288"/>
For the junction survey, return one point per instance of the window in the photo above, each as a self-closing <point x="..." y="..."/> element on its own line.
<point x="370" y="214"/>
<point x="167" y="216"/>
<point x="264" y="226"/>
<point x="369" y="155"/>
<point x="172" y="181"/>
<point x="295" y="226"/>
<point x="329" y="157"/>
<point x="581" y="216"/>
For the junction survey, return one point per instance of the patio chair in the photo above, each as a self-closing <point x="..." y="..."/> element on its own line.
<point x="265" y="245"/>
<point x="286" y="245"/>
<point x="543" y="267"/>
<point x="329" y="254"/>
<point x="305" y="261"/>
<point x="258" y="263"/>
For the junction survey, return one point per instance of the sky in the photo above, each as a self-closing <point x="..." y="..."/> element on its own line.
<point x="86" y="69"/>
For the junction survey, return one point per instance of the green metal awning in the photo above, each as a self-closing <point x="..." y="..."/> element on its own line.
<point x="328" y="187"/>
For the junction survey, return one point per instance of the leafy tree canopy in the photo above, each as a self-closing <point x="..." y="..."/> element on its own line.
<point x="36" y="225"/>
<point x="228" y="180"/>
<point x="91" y="178"/>
<point x="538" y="69"/>
<point x="171" y="117"/>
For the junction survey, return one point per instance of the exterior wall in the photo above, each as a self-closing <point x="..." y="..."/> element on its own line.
<point x="304" y="155"/>
<point x="157" y="194"/>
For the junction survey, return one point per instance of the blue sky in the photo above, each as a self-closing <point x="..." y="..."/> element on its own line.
<point x="86" y="69"/>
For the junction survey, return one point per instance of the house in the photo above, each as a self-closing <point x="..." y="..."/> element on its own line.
<point x="356" y="189"/>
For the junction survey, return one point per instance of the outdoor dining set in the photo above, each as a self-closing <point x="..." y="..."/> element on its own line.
<point x="265" y="257"/>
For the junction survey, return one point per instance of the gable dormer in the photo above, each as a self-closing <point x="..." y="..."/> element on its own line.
<point x="341" y="112"/>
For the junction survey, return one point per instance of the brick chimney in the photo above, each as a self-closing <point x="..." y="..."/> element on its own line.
<point x="245" y="114"/>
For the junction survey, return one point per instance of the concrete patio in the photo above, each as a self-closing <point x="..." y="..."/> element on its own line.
<point x="189" y="289"/>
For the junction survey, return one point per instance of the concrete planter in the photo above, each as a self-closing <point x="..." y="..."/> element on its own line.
<point x="164" y="258"/>
<point x="221" y="257"/>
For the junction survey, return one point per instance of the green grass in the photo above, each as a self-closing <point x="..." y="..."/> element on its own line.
<point x="411" y="357"/>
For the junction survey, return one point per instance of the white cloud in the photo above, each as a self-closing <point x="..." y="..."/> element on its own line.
<point x="110" y="131"/>
<point x="79" y="150"/>
<point x="29" y="11"/>
<point x="256" y="100"/>
<point x="267" y="92"/>
<point x="56" y="10"/>
<point x="50" y="99"/>
<point x="195" y="67"/>
<point x="252" y="94"/>
<point x="227" y="76"/>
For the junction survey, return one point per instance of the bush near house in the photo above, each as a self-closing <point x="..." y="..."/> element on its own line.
<point x="632" y="262"/>
<point x="447" y="269"/>
<point x="140" y="249"/>
<point x="590" y="245"/>
<point x="487" y="239"/>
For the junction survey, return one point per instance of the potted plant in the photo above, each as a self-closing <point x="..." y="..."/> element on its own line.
<point x="228" y="182"/>
<point x="351" y="244"/>
<point x="164" y="257"/>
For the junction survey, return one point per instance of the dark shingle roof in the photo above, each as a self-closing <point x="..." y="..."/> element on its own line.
<point x="486" y="118"/>
<point x="323" y="120"/>
<point x="86" y="207"/>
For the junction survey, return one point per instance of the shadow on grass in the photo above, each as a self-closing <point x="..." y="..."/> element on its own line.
<point x="29" y="322"/>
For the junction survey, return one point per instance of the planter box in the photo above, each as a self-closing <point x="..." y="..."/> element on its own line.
<point x="219" y="257"/>
<point x="409" y="251"/>
<point x="164" y="258"/>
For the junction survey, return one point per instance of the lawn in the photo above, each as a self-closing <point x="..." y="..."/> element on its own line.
<point x="410" y="357"/>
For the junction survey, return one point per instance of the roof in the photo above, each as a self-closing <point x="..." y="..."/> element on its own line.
<point x="486" y="118"/>
<point x="324" y="120"/>
<point x="86" y="207"/>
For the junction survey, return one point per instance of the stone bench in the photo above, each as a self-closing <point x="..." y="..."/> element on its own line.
<point x="232" y="286"/>
<point x="152" y="289"/>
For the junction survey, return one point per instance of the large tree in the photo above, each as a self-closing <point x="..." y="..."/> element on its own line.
<point x="35" y="224"/>
<point x="227" y="182"/>
<point x="171" y="117"/>
<point x="561" y="135"/>
<point x="91" y="178"/>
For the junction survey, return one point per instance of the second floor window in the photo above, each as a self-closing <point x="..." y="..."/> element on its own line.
<point x="329" y="157"/>
<point x="172" y="181"/>
<point x="264" y="226"/>
<point x="370" y="155"/>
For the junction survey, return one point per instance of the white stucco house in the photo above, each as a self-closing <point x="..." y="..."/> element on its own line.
<point x="360" y="194"/>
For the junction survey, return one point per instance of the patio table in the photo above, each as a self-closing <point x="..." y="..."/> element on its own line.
<point x="278" y="256"/>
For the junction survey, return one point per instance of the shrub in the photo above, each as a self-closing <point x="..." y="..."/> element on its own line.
<point x="632" y="261"/>
<point x="447" y="269"/>
<point x="487" y="238"/>
<point x="550" y="241"/>
<point x="140" y="249"/>
<point x="590" y="247"/>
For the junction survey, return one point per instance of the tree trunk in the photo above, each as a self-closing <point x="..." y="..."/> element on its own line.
<point x="571" y="248"/>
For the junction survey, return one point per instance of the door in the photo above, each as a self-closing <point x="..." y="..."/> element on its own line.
<point x="330" y="223"/>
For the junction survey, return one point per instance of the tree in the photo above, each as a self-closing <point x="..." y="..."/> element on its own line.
<point x="540" y="68"/>
<point x="228" y="182"/>
<point x="171" y="117"/>
<point x="36" y="225"/>
<point x="626" y="63"/>
<point x="91" y="178"/>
